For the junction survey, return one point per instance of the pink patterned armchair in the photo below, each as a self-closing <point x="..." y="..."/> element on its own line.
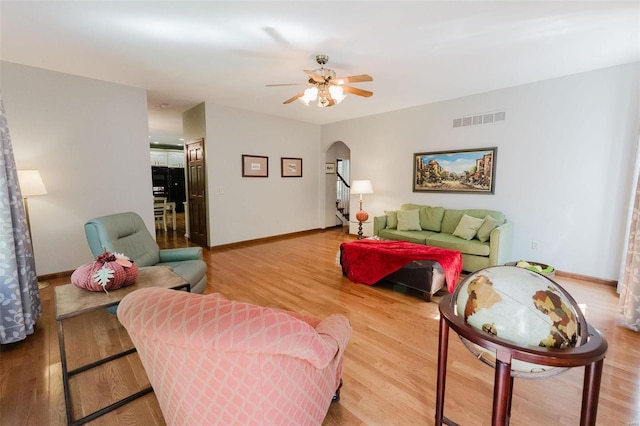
<point x="215" y="361"/>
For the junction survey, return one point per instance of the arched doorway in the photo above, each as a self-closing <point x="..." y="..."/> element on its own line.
<point x="337" y="176"/>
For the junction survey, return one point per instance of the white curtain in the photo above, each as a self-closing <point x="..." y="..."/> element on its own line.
<point x="629" y="280"/>
<point x="20" y="304"/>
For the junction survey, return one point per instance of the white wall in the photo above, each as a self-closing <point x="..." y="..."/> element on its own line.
<point x="563" y="167"/>
<point x="89" y="139"/>
<point x="242" y="208"/>
<point x="194" y="124"/>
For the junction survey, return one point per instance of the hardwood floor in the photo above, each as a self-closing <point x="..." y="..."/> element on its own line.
<point x="390" y="363"/>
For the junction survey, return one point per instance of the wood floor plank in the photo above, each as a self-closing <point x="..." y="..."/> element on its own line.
<point x="390" y="363"/>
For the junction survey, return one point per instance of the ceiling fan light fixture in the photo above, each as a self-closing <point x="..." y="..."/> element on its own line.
<point x="323" y="85"/>
<point x="324" y="97"/>
<point x="310" y="95"/>
<point x="337" y="93"/>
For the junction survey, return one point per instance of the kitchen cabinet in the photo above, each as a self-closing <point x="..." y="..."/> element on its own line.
<point x="159" y="157"/>
<point x="175" y="158"/>
<point x="167" y="158"/>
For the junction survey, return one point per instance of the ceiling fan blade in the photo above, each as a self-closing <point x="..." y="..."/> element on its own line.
<point x="351" y="79"/>
<point x="315" y="77"/>
<point x="299" y="95"/>
<point x="286" y="84"/>
<point x="356" y="91"/>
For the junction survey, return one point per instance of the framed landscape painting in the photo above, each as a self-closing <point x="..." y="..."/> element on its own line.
<point x="462" y="171"/>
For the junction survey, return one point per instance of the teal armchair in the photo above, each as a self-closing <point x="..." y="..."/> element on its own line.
<point x="126" y="233"/>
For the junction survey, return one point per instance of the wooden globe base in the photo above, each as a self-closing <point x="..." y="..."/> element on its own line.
<point x="590" y="355"/>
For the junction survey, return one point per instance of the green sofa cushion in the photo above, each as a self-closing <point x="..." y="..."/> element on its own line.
<point x="468" y="227"/>
<point x="452" y="217"/>
<point x="430" y="217"/>
<point x="452" y="242"/>
<point x="392" y="219"/>
<point x="417" y="237"/>
<point x="450" y="220"/>
<point x="489" y="225"/>
<point x="409" y="220"/>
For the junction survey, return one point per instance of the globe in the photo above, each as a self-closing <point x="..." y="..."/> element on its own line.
<point x="522" y="307"/>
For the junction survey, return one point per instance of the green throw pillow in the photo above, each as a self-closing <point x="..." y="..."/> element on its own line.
<point x="489" y="225"/>
<point x="392" y="219"/>
<point x="431" y="218"/>
<point x="468" y="227"/>
<point x="409" y="220"/>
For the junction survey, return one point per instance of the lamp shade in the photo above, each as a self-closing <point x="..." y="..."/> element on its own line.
<point x="361" y="187"/>
<point x="31" y="183"/>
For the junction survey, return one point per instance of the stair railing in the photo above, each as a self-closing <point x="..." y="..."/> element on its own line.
<point x="342" y="199"/>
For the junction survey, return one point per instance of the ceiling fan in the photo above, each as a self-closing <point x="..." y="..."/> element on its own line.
<point x="325" y="87"/>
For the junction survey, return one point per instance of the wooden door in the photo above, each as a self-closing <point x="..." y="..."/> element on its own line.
<point x="196" y="184"/>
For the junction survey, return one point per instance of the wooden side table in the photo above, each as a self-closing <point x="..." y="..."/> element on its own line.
<point x="71" y="301"/>
<point x="590" y="355"/>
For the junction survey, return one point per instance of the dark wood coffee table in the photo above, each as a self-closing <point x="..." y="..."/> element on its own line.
<point x="71" y="301"/>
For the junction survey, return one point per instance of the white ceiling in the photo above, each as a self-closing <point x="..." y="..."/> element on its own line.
<point x="418" y="52"/>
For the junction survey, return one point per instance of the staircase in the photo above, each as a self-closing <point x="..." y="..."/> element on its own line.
<point x="342" y="200"/>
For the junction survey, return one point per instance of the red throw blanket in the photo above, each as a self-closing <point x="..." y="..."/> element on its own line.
<point x="369" y="261"/>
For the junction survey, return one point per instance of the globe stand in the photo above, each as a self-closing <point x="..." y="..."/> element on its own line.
<point x="590" y="355"/>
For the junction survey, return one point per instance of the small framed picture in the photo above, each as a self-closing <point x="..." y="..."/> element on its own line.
<point x="291" y="167"/>
<point x="255" y="166"/>
<point x="329" y="168"/>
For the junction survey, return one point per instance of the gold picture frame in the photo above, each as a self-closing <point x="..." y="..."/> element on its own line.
<point x="470" y="171"/>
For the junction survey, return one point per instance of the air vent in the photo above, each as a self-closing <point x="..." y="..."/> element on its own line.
<point x="477" y="119"/>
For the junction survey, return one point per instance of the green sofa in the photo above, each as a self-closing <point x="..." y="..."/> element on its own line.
<point x="483" y="237"/>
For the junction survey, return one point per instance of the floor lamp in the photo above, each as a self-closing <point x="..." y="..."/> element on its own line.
<point x="360" y="187"/>
<point x="31" y="184"/>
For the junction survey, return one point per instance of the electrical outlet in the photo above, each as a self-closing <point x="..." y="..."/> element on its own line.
<point x="534" y="245"/>
<point x="219" y="191"/>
